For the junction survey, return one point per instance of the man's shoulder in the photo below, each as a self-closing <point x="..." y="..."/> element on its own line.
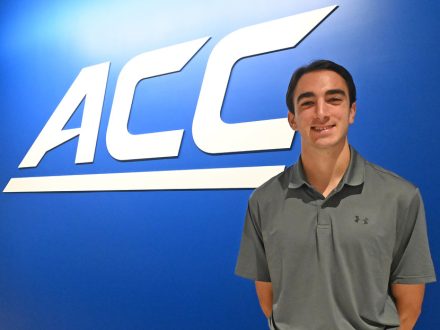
<point x="388" y="180"/>
<point x="273" y="187"/>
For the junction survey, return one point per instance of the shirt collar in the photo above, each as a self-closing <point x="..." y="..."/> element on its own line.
<point x="354" y="175"/>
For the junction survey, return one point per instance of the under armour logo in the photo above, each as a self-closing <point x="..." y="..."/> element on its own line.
<point x="364" y="220"/>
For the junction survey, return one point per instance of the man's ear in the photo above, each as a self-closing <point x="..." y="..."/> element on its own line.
<point x="292" y="120"/>
<point x="352" y="113"/>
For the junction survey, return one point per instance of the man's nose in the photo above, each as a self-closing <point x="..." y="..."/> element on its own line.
<point x="321" y="109"/>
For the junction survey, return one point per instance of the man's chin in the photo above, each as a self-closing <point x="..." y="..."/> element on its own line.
<point x="327" y="143"/>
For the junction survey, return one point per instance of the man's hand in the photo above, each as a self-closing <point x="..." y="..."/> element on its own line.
<point x="409" y="298"/>
<point x="265" y="296"/>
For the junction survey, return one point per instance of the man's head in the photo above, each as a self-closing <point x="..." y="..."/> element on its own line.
<point x="318" y="66"/>
<point x="321" y="100"/>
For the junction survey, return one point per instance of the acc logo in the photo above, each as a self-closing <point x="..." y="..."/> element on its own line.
<point x="210" y="133"/>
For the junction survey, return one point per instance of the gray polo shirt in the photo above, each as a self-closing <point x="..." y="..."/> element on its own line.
<point x="331" y="260"/>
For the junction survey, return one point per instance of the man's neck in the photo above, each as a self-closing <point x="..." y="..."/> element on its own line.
<point x="324" y="168"/>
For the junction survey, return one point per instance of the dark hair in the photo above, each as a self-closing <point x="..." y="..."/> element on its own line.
<point x="316" y="66"/>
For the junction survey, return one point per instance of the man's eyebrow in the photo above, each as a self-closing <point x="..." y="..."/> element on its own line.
<point x="335" y="91"/>
<point x="304" y="95"/>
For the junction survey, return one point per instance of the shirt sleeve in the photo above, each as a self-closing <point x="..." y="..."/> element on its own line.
<point x="412" y="261"/>
<point x="252" y="262"/>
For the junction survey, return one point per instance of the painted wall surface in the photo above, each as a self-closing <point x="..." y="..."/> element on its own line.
<point x="165" y="259"/>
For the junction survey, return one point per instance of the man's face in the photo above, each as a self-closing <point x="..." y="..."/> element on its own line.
<point x="322" y="109"/>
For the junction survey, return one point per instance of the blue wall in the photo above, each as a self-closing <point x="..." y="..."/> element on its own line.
<point x="165" y="259"/>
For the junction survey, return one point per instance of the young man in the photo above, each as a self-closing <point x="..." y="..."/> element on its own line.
<point x="334" y="242"/>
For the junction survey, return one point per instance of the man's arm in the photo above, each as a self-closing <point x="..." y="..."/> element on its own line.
<point x="409" y="298"/>
<point x="265" y="296"/>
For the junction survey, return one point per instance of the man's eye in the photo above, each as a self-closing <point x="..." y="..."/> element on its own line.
<point x="335" y="100"/>
<point x="307" y="104"/>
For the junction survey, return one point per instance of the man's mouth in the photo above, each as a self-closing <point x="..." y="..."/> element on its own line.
<point x="322" y="128"/>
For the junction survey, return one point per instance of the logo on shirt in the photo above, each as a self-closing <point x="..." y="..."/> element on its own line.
<point x="364" y="221"/>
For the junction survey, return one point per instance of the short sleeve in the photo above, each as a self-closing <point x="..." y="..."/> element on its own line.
<point x="251" y="262"/>
<point x="412" y="261"/>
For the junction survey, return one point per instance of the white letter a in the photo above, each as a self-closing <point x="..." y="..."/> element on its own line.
<point x="89" y="84"/>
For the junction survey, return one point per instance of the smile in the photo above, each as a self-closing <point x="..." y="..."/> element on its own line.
<point x="322" y="128"/>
